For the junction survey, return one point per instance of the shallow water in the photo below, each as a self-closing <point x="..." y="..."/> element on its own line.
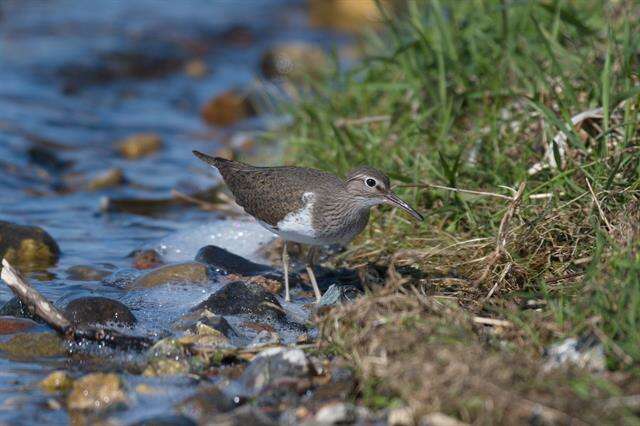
<point x="56" y="95"/>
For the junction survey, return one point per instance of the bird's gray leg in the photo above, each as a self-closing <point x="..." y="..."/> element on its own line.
<point x="285" y="268"/>
<point x="312" y="277"/>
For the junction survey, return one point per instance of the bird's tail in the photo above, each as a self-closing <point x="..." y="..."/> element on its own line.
<point x="213" y="161"/>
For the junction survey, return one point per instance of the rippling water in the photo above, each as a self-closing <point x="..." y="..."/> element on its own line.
<point x="77" y="76"/>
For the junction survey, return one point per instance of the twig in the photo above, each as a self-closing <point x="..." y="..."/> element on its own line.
<point x="595" y="200"/>
<point x="448" y="188"/>
<point x="343" y="122"/>
<point x="56" y="319"/>
<point x="492" y="321"/>
<point x="501" y="240"/>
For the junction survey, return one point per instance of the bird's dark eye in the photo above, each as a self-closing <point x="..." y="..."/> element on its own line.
<point x="370" y="182"/>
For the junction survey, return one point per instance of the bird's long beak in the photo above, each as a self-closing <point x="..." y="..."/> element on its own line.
<point x="394" y="200"/>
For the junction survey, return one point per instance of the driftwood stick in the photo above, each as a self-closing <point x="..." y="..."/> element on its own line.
<point x="56" y="319"/>
<point x="30" y="297"/>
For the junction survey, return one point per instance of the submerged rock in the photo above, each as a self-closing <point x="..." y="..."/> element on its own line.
<point x="272" y="365"/>
<point x="146" y="259"/>
<point x="139" y="145"/>
<point x="294" y="61"/>
<point x="229" y="263"/>
<point x="58" y="381"/>
<point x="228" y="108"/>
<point x="96" y="392"/>
<point x="27" y="346"/>
<point x="166" y="420"/>
<point x="106" y="179"/>
<point x="208" y="401"/>
<point x="47" y="159"/>
<point x="15" y="308"/>
<point x="242" y="298"/>
<point x="99" y="310"/>
<point x="181" y="273"/>
<point x="25" y="245"/>
<point x="87" y="273"/>
<point x="11" y="325"/>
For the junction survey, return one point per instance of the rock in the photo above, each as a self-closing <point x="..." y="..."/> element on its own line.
<point x="272" y="365"/>
<point x="47" y="159"/>
<point x="15" y="308"/>
<point x="241" y="298"/>
<point x="27" y="245"/>
<point x="265" y="338"/>
<point x="208" y="401"/>
<point x="439" y="419"/>
<point x="166" y="420"/>
<point x="107" y="179"/>
<point x="86" y="273"/>
<point x="401" y="416"/>
<point x="99" y="310"/>
<point x="354" y="16"/>
<point x="341" y="386"/>
<point x="181" y="273"/>
<point x="139" y="145"/>
<point x="58" y="381"/>
<point x="96" y="392"/>
<point x="12" y="325"/>
<point x="27" y="346"/>
<point x="336" y="413"/>
<point x="166" y="367"/>
<point x="146" y="259"/>
<point x="586" y="352"/>
<point x="294" y="61"/>
<point x="229" y="263"/>
<point x="228" y="108"/>
<point x="245" y="415"/>
<point x="191" y="321"/>
<point x="337" y="294"/>
<point x="196" y="68"/>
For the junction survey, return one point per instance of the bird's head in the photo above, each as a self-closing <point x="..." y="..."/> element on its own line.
<point x="370" y="187"/>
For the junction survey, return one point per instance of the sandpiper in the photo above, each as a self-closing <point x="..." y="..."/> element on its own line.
<point x="307" y="206"/>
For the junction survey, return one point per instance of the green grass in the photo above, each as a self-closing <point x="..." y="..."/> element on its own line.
<point x="469" y="95"/>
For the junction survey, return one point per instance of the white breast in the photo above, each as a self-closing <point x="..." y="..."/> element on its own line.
<point x="296" y="226"/>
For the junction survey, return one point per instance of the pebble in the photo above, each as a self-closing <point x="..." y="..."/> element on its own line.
<point x="181" y="273"/>
<point x="107" y="179"/>
<point x="228" y="108"/>
<point x="139" y="145"/>
<point x="96" y="392"/>
<point x="57" y="381"/>
<point x="99" y="310"/>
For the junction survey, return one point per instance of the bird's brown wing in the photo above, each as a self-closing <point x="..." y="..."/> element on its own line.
<point x="270" y="193"/>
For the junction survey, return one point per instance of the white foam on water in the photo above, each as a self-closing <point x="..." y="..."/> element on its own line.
<point x="243" y="238"/>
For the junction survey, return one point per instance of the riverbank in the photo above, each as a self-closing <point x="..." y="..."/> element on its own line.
<point x="519" y="296"/>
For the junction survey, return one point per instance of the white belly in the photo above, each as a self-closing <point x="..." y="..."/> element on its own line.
<point x="297" y="226"/>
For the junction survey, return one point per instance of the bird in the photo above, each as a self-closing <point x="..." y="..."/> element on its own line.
<point x="307" y="206"/>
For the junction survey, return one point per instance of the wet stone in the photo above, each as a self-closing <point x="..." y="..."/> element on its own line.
<point x="11" y="325"/>
<point x="245" y="415"/>
<point x="106" y="179"/>
<point x="166" y="420"/>
<point x="337" y="294"/>
<point x="99" y="310"/>
<point x="58" y="381"/>
<point x="27" y="245"/>
<point x="47" y="159"/>
<point x="228" y="108"/>
<point x="239" y="297"/>
<point x="229" y="263"/>
<point x="146" y="259"/>
<point x="139" y="145"/>
<point x="208" y="401"/>
<point x="87" y="273"/>
<point x="182" y="273"/>
<point x="96" y="392"/>
<point x="15" y="308"/>
<point x="273" y="365"/>
<point x="27" y="346"/>
<point x="294" y="61"/>
<point x="214" y="322"/>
